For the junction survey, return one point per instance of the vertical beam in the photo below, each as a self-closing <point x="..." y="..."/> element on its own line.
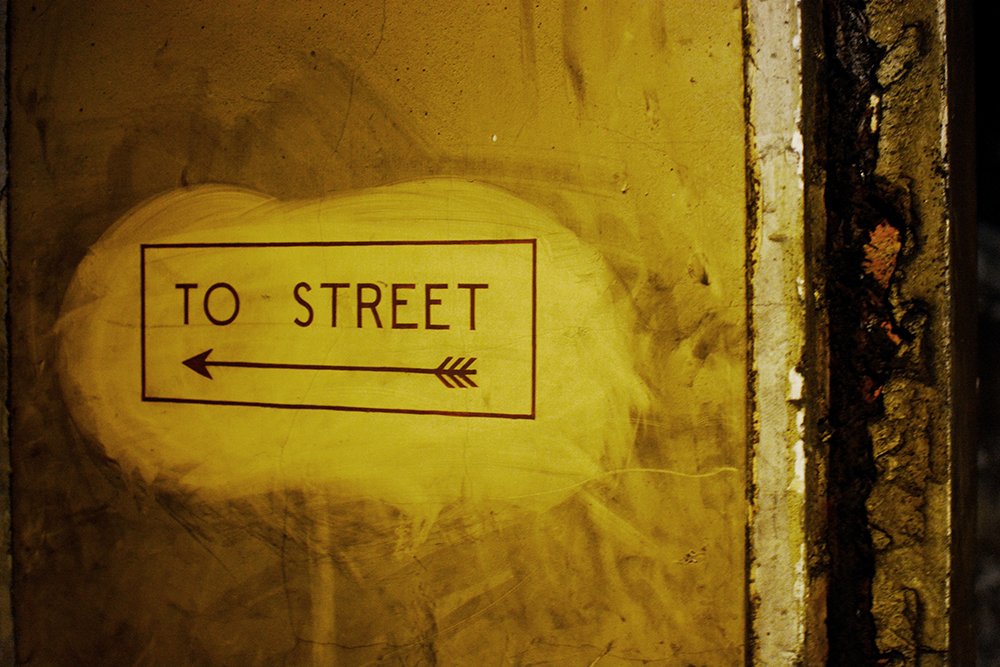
<point x="921" y="510"/>
<point x="894" y="313"/>
<point x="779" y="587"/>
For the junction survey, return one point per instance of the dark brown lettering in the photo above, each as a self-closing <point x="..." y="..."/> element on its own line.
<point x="428" y="302"/>
<point x="304" y="303"/>
<point x="472" y="287"/>
<point x="370" y="305"/>
<point x="236" y="304"/>
<point x="333" y="305"/>
<point x="396" y="301"/>
<point x="187" y="287"/>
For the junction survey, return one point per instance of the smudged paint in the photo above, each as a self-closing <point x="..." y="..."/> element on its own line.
<point x="864" y="239"/>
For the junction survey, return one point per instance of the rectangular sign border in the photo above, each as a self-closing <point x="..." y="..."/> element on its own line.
<point x="342" y="408"/>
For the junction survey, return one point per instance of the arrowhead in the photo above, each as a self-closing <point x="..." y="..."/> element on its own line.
<point x="199" y="363"/>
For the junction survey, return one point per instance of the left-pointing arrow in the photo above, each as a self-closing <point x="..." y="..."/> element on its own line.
<point x="454" y="371"/>
<point x="199" y="363"/>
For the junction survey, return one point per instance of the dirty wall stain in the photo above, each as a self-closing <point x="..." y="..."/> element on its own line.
<point x="610" y="527"/>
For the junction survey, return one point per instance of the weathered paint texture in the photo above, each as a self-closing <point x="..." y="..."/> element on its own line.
<point x="920" y="507"/>
<point x="858" y="310"/>
<point x="893" y="434"/>
<point x="615" y="540"/>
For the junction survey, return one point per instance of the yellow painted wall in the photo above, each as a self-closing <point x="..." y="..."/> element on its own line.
<point x="609" y="527"/>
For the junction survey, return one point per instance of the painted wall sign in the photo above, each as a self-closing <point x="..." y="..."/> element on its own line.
<point x="384" y="326"/>
<point x="380" y="333"/>
<point x="512" y="352"/>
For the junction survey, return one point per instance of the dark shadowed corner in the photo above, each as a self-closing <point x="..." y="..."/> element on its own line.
<point x="6" y="617"/>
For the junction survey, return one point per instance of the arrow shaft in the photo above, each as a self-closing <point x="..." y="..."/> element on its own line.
<point x="322" y="367"/>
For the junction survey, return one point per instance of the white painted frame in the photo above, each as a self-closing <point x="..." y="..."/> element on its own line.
<point x="778" y="584"/>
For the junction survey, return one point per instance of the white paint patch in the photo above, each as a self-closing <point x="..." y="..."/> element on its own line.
<point x="799" y="586"/>
<point x="799" y="147"/>
<point x="798" y="482"/>
<point x="795" y="381"/>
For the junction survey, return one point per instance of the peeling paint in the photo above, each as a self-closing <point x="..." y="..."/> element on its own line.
<point x="880" y="254"/>
<point x="911" y="253"/>
<point x="796" y="381"/>
<point x="798" y="483"/>
<point x="890" y="318"/>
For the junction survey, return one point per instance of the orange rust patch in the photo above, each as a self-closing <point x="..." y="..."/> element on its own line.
<point x="881" y="252"/>
<point x="892" y="335"/>
<point x="870" y="389"/>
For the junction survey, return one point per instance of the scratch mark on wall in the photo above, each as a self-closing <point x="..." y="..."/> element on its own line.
<point x="381" y="32"/>
<point x="430" y="638"/>
<point x="347" y="115"/>
<point x="613" y="473"/>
